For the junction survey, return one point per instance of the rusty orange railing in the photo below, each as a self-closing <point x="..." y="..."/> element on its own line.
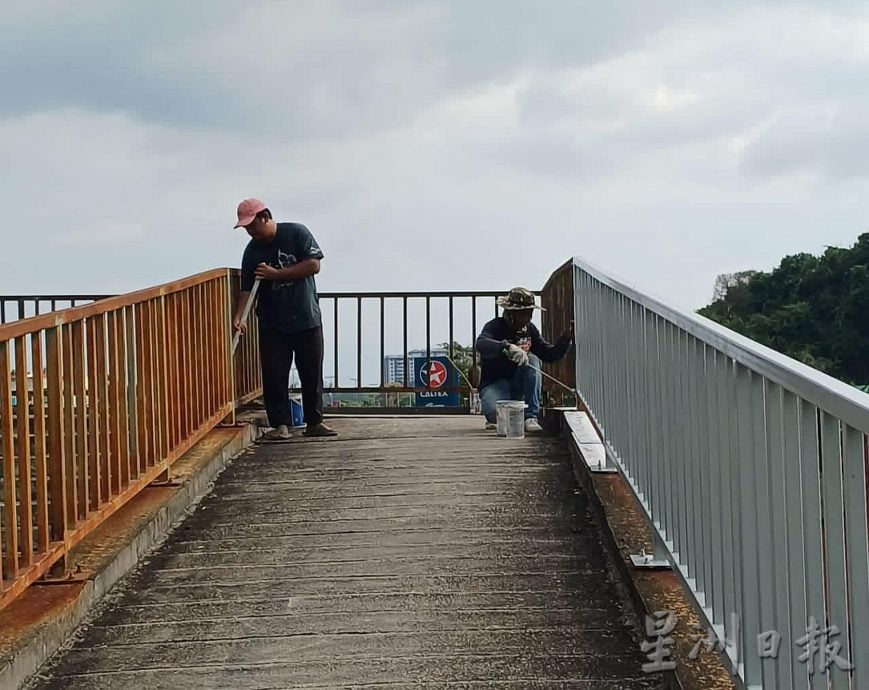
<point x="557" y="297"/>
<point x="246" y="362"/>
<point x="98" y="401"/>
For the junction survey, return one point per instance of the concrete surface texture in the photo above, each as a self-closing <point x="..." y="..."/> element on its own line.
<point x="409" y="552"/>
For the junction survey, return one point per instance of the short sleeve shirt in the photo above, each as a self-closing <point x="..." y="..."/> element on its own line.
<point x="284" y="305"/>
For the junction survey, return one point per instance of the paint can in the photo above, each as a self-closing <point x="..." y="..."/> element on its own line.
<point x="296" y="410"/>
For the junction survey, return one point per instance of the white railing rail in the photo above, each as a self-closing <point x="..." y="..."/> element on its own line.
<point x="752" y="468"/>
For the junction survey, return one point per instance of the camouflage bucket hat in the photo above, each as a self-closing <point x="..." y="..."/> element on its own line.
<point x="518" y="298"/>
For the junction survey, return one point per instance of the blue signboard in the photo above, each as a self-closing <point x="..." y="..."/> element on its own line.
<point x="436" y="372"/>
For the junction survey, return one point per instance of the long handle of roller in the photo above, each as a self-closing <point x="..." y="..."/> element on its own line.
<point x="244" y="314"/>
<point x="573" y="391"/>
<point x="461" y="373"/>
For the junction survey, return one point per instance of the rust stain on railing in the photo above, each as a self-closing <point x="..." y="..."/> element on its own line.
<point x="98" y="401"/>
<point x="557" y="299"/>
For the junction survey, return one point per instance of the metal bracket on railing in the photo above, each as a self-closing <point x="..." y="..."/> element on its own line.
<point x="171" y="484"/>
<point x="69" y="578"/>
<point x="657" y="560"/>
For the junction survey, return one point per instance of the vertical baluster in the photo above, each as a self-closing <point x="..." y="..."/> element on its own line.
<point x="160" y="379"/>
<point x="382" y="343"/>
<point x="123" y="409"/>
<point x="211" y="363"/>
<point x="56" y="428"/>
<point x="39" y="436"/>
<point x="69" y="425"/>
<point x="94" y="410"/>
<point x="114" y="406"/>
<point x="7" y="443"/>
<point x="335" y="336"/>
<point x="359" y="342"/>
<point x="81" y="411"/>
<point x="22" y="407"/>
<point x="145" y="451"/>
<point x="106" y="440"/>
<point x="183" y="354"/>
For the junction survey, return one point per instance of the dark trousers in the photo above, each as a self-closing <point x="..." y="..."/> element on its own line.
<point x="276" y="355"/>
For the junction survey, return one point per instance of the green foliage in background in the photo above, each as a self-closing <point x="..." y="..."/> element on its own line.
<point x="812" y="308"/>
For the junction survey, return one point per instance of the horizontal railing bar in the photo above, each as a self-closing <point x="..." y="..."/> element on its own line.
<point x="393" y="389"/>
<point x="396" y="411"/>
<point x="57" y="298"/>
<point x="64" y="316"/>
<point x="413" y="295"/>
<point x="830" y="394"/>
<point x="325" y="295"/>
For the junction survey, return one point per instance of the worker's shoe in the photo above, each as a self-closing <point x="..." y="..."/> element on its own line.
<point x="491" y="425"/>
<point x="279" y="434"/>
<point x="532" y="426"/>
<point x="319" y="430"/>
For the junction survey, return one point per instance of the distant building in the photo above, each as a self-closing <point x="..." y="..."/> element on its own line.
<point x="395" y="364"/>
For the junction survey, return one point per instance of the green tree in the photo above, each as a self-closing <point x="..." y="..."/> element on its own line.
<point x="463" y="358"/>
<point x="812" y="308"/>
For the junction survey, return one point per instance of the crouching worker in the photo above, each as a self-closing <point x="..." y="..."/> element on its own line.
<point x="511" y="350"/>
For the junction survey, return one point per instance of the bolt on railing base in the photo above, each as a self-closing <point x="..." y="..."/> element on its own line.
<point x="587" y="441"/>
<point x="657" y="560"/>
<point x="604" y="465"/>
<point x="68" y="579"/>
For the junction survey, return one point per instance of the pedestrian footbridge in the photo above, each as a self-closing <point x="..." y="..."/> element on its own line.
<point x="147" y="543"/>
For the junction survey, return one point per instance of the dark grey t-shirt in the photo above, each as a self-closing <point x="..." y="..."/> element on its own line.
<point x="284" y="305"/>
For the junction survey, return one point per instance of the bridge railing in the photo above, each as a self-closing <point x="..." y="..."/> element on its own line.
<point x="557" y="299"/>
<point x="752" y="469"/>
<point x="362" y="332"/>
<point x="17" y="307"/>
<point x="98" y="401"/>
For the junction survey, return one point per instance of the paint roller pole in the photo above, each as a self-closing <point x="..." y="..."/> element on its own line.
<point x="573" y="391"/>
<point x="474" y="404"/>
<point x="246" y="312"/>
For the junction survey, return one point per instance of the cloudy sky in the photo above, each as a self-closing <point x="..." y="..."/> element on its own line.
<point x="430" y="144"/>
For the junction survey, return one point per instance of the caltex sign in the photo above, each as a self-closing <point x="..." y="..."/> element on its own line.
<point x="435" y="373"/>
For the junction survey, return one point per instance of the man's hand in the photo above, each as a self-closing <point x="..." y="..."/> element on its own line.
<point x="266" y="272"/>
<point x="239" y="325"/>
<point x="517" y="355"/>
<point x="568" y="332"/>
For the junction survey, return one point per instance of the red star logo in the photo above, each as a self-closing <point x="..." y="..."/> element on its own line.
<point x="435" y="372"/>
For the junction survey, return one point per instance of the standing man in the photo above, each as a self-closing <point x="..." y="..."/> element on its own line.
<point x="285" y="257"/>
<point x="509" y="372"/>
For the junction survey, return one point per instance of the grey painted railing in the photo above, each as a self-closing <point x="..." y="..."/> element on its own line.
<point x="751" y="467"/>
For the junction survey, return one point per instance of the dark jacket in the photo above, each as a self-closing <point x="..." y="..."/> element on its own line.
<point x="498" y="334"/>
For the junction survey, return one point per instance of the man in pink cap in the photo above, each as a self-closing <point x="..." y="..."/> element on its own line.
<point x="285" y="257"/>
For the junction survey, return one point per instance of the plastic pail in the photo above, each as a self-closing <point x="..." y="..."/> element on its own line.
<point x="511" y="418"/>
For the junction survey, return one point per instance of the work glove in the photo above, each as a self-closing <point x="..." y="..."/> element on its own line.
<point x="516" y="354"/>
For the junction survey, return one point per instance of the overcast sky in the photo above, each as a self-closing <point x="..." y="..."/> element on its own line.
<point x="430" y="144"/>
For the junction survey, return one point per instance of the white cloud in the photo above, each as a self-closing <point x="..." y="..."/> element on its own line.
<point x="431" y="144"/>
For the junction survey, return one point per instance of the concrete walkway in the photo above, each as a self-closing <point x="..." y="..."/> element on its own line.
<point x="410" y="553"/>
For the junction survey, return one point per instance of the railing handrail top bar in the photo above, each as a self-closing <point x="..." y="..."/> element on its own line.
<point x="828" y="393"/>
<point x="58" y="297"/>
<point x="415" y="294"/>
<point x="52" y="319"/>
<point x="556" y="273"/>
<point x="328" y="295"/>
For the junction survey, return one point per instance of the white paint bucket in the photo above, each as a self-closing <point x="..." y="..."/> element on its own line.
<point x="510" y="418"/>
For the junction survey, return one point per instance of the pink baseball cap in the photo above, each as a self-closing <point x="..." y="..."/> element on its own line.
<point x="247" y="211"/>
